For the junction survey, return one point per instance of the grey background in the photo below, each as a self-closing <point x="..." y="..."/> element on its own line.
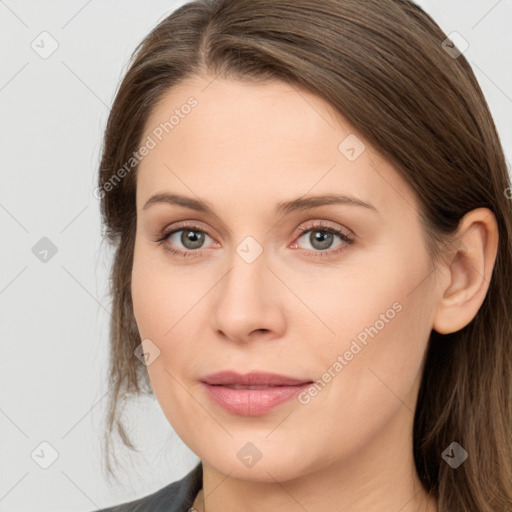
<point x="54" y="314"/>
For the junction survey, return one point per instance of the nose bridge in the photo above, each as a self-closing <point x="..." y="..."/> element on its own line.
<point x="247" y="276"/>
<point x="245" y="301"/>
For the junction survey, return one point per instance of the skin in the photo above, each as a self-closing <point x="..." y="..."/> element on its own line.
<point x="244" y="148"/>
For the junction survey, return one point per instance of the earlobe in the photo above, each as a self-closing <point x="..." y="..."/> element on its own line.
<point x="469" y="271"/>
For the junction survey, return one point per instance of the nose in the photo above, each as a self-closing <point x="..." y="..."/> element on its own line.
<point x="248" y="302"/>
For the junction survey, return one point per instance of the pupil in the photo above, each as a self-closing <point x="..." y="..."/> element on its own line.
<point x="322" y="238"/>
<point x="192" y="237"/>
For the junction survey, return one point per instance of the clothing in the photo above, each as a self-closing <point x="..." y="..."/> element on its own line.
<point x="175" y="497"/>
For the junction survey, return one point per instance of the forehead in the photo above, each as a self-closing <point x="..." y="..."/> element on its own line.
<point x="258" y="140"/>
<point x="235" y="114"/>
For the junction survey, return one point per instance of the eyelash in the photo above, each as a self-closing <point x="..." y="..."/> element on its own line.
<point x="319" y="226"/>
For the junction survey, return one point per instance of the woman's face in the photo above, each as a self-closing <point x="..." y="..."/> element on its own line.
<point x="324" y="291"/>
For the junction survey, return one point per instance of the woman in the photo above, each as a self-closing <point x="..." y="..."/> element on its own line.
<point x="308" y="202"/>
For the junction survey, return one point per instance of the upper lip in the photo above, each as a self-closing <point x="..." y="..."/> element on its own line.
<point x="254" y="378"/>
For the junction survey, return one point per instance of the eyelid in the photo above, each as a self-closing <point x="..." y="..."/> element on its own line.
<point x="315" y="224"/>
<point x="191" y="225"/>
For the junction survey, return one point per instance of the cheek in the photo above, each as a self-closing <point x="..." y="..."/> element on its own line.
<point x="155" y="296"/>
<point x="384" y="318"/>
<point x="382" y="327"/>
<point x="154" y="309"/>
<point x="166" y="305"/>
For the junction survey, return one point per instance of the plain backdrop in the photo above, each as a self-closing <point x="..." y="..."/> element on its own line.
<point x="53" y="305"/>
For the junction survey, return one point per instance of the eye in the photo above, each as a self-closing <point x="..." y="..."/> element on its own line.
<point x="191" y="238"/>
<point x="321" y="236"/>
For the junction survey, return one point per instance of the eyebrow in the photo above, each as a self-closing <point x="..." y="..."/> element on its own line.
<point x="284" y="207"/>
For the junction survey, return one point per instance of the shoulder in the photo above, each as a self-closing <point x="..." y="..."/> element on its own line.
<point x="175" y="497"/>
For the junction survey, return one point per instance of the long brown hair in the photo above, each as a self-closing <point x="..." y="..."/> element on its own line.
<point x="383" y="65"/>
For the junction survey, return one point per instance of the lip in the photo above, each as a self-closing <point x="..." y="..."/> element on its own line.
<point x="254" y="378"/>
<point x="272" y="389"/>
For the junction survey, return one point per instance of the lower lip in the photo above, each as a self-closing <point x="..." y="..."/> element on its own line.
<point x="252" y="402"/>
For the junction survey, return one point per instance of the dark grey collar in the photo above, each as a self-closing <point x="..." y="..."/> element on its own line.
<point x="176" y="497"/>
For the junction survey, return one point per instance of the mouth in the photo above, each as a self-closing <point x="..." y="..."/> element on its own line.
<point x="236" y="386"/>
<point x="254" y="378"/>
<point x="251" y="394"/>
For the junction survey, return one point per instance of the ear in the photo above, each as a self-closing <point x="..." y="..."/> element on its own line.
<point x="467" y="274"/>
